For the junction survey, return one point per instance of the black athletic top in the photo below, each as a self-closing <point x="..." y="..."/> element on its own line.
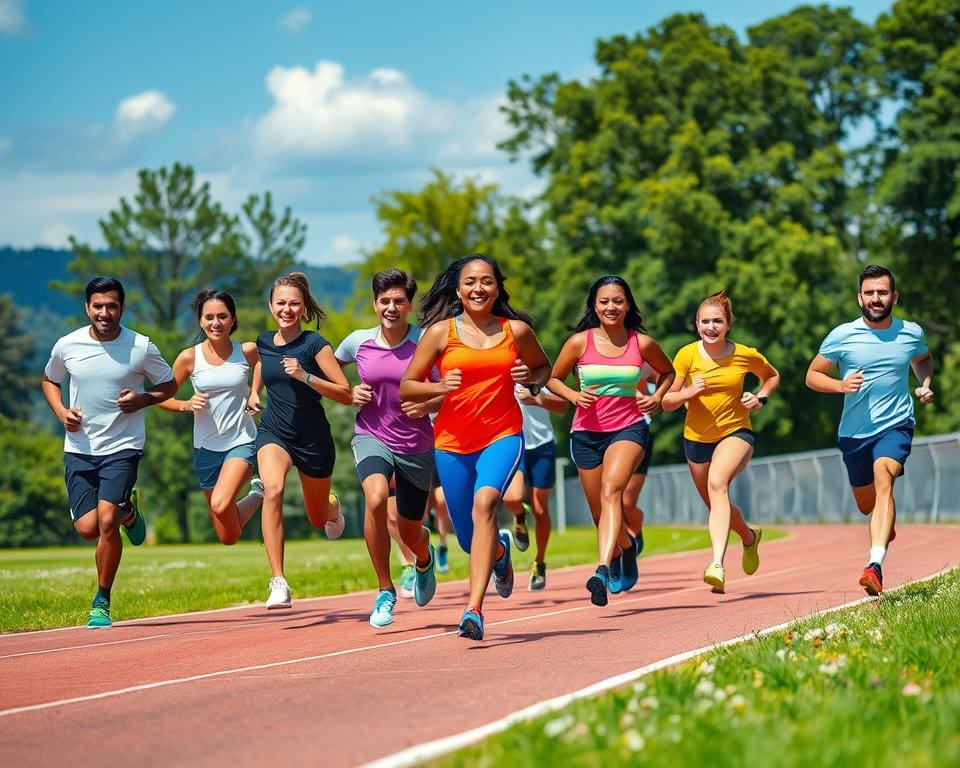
<point x="294" y="411"/>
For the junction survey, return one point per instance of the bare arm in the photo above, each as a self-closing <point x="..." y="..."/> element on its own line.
<point x="819" y="378"/>
<point x="533" y="366"/>
<point x="569" y="354"/>
<point x="69" y="417"/>
<point x="543" y="399"/>
<point x="661" y="366"/>
<point x="678" y="394"/>
<point x="922" y="366"/>
<point x="769" y="381"/>
<point x="335" y="386"/>
<point x="415" y="386"/>
<point x="131" y="402"/>
<point x="182" y="368"/>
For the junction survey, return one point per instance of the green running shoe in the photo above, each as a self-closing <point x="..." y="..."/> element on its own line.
<point x="136" y="530"/>
<point x="751" y="557"/>
<point x="521" y="536"/>
<point x="99" y="614"/>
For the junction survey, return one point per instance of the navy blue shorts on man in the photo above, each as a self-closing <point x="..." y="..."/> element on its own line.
<point x="860" y="453"/>
<point x="92" y="479"/>
<point x="540" y="465"/>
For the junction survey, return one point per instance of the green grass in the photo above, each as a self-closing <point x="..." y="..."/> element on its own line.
<point x="869" y="687"/>
<point x="47" y="588"/>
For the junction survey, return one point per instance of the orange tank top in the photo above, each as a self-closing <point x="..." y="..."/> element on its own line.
<point x="484" y="408"/>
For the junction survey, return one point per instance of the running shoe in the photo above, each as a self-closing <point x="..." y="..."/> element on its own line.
<point x="256" y="486"/>
<point x="503" y="568"/>
<point x="425" y="582"/>
<point x="629" y="572"/>
<point x="521" y="536"/>
<point x="334" y="528"/>
<point x="751" y="558"/>
<point x="382" y="615"/>
<point x="615" y="585"/>
<point x="408" y="578"/>
<point x="471" y="624"/>
<point x="279" y="593"/>
<point x="443" y="564"/>
<point x="715" y="577"/>
<point x="538" y="577"/>
<point x="872" y="579"/>
<point x="99" y="614"/>
<point x="597" y="585"/>
<point x="639" y="541"/>
<point x="137" y="528"/>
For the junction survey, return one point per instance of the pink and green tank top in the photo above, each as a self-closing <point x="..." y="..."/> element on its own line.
<point x="615" y="381"/>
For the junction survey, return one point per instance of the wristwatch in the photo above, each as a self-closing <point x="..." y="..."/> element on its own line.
<point x="763" y="399"/>
<point x="534" y="389"/>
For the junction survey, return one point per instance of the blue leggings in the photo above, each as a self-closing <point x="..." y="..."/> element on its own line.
<point x="463" y="474"/>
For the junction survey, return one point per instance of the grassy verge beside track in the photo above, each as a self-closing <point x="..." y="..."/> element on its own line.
<point x="48" y="588"/>
<point x="876" y="685"/>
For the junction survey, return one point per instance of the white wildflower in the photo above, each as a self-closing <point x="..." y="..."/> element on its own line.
<point x="555" y="727"/>
<point x="705" y="688"/>
<point x="633" y="740"/>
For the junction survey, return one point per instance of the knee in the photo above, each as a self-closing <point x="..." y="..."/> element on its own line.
<point x="273" y="491"/>
<point x="220" y="505"/>
<point x="718" y="486"/>
<point x="376" y="501"/>
<point x="610" y="490"/>
<point x="87" y="528"/>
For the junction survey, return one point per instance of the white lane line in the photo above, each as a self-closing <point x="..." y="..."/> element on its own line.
<point x="97" y="645"/>
<point x="361" y="649"/>
<point x="433" y="749"/>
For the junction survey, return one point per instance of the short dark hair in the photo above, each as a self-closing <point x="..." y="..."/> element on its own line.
<point x="394" y="278"/>
<point x="213" y="294"/>
<point x="875" y="270"/>
<point x="104" y="285"/>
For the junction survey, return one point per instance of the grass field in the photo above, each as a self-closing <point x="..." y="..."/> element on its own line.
<point x="47" y="588"/>
<point x="875" y="686"/>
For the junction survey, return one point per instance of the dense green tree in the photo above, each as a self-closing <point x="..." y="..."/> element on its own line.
<point x="18" y="379"/>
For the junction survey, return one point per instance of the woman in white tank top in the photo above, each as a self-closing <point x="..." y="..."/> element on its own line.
<point x="224" y="454"/>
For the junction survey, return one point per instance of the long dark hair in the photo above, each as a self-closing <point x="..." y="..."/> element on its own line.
<point x="441" y="301"/>
<point x="590" y="319"/>
<point x="213" y="294"/>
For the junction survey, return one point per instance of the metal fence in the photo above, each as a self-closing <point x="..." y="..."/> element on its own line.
<point x="796" y="487"/>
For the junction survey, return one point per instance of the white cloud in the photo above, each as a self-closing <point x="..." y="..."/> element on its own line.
<point x="12" y="18"/>
<point x="143" y="113"/>
<point x="482" y="127"/>
<point x="345" y="244"/>
<point x="295" y="21"/>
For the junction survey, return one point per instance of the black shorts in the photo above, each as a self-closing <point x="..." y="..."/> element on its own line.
<point x="92" y="479"/>
<point x="702" y="453"/>
<point x="587" y="448"/>
<point x="644" y="467"/>
<point x="313" y="458"/>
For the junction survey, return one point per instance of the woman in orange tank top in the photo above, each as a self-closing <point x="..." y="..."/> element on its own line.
<point x="482" y="348"/>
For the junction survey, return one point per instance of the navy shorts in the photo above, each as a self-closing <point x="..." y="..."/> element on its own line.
<point x="540" y="465"/>
<point x="587" y="448"/>
<point x="702" y="453"/>
<point x="644" y="467"/>
<point x="313" y="458"/>
<point x="859" y="453"/>
<point x="207" y="464"/>
<point x="92" y="479"/>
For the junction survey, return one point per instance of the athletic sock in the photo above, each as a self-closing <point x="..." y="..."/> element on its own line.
<point x="103" y="592"/>
<point x="877" y="554"/>
<point x="425" y="568"/>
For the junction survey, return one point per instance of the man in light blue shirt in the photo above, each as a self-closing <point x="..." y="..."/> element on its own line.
<point x="874" y="354"/>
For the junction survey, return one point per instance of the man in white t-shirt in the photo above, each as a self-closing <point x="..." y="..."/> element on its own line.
<point x="104" y="424"/>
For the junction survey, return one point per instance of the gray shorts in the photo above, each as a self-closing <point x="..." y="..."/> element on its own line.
<point x="412" y="474"/>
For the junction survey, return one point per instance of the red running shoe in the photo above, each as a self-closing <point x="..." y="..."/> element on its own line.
<point x="872" y="580"/>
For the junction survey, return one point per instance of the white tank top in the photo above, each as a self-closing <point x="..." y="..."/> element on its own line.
<point x="224" y="423"/>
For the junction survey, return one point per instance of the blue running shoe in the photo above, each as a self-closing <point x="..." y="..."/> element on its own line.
<point x="503" y="568"/>
<point x="471" y="624"/>
<point x="615" y="584"/>
<point x="99" y="614"/>
<point x="425" y="584"/>
<point x="639" y="542"/>
<point x="628" y="567"/>
<point x="597" y="586"/>
<point x="443" y="564"/>
<point x="382" y="615"/>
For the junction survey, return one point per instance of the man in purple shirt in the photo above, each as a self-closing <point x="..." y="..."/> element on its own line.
<point x="393" y="440"/>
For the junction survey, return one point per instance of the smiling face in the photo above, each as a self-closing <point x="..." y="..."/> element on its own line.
<point x="611" y="305"/>
<point x="876" y="299"/>
<point x="392" y="307"/>
<point x="215" y="319"/>
<point x="477" y="288"/>
<point x="712" y="324"/>
<point x="105" y="311"/>
<point x="286" y="305"/>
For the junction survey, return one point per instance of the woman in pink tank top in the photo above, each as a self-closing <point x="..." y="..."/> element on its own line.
<point x="610" y="434"/>
<point x="483" y="348"/>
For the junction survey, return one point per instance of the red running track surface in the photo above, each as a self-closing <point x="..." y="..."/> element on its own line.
<point x="316" y="685"/>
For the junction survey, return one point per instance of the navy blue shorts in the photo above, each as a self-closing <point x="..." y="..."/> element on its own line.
<point x="859" y="453"/>
<point x="313" y="458"/>
<point x="587" y="448"/>
<point x="540" y="465"/>
<point x="91" y="479"/>
<point x="644" y="467"/>
<point x="702" y="453"/>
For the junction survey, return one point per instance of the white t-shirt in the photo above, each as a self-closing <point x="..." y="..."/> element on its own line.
<point x="98" y="370"/>
<point x="224" y="423"/>
<point x="537" y="428"/>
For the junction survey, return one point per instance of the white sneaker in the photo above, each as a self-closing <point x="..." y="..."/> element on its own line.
<point x="334" y="528"/>
<point x="279" y="593"/>
<point x="256" y="487"/>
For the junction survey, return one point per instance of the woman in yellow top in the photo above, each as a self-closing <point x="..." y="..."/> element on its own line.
<point x="717" y="434"/>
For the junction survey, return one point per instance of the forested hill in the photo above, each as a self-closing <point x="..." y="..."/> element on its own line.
<point x="26" y="273"/>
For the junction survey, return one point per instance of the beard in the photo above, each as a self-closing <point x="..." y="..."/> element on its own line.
<point x="875" y="315"/>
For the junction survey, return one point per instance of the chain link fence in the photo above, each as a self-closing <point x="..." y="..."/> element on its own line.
<point x="807" y="487"/>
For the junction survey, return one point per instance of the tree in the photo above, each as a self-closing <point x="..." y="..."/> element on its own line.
<point x="18" y="380"/>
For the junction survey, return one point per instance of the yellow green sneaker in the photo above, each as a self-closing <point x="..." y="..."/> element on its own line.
<point x="715" y="577"/>
<point x="99" y="614"/>
<point x="137" y="528"/>
<point x="750" y="557"/>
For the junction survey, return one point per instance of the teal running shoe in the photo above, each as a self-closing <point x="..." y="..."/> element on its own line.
<point x="471" y="624"/>
<point x="443" y="562"/>
<point x="137" y="529"/>
<point x="425" y="582"/>
<point x="382" y="615"/>
<point x="615" y="585"/>
<point x="628" y="567"/>
<point x="408" y="578"/>
<point x="99" y="614"/>
<point x="503" y="568"/>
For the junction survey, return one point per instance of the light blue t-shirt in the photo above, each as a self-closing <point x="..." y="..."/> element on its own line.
<point x="883" y="355"/>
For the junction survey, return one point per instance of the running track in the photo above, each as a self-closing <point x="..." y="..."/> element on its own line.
<point x="317" y="686"/>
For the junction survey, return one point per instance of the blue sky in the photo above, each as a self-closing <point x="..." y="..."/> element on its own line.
<point x="326" y="104"/>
